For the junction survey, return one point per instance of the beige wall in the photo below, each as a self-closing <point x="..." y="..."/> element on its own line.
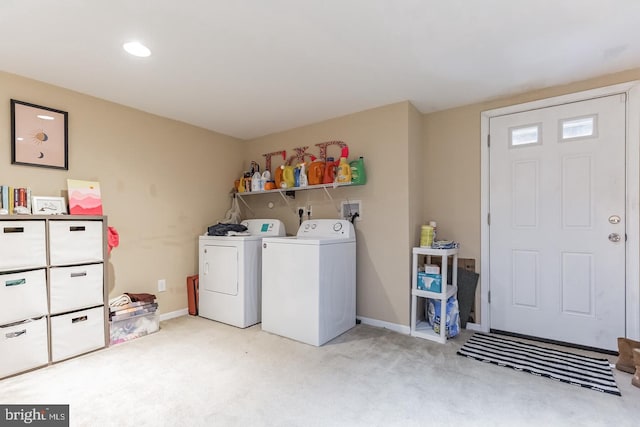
<point x="452" y="163"/>
<point x="383" y="247"/>
<point x="162" y="182"/>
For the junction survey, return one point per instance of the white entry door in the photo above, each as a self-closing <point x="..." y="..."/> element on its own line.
<point x="557" y="222"/>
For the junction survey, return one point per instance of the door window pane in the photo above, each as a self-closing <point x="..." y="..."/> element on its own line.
<point x="525" y="135"/>
<point x="578" y="127"/>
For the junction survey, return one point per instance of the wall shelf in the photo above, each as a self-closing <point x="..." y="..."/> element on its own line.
<point x="289" y="194"/>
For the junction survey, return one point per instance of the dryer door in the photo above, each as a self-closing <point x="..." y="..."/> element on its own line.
<point x="220" y="269"/>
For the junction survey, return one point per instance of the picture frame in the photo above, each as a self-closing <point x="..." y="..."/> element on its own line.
<point x="48" y="205"/>
<point x="39" y="136"/>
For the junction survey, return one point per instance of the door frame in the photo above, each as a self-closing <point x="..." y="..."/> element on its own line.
<point x="632" y="160"/>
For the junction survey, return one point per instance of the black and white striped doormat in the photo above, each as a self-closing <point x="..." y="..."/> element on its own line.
<point x="558" y="365"/>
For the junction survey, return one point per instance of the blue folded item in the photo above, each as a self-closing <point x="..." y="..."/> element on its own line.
<point x="445" y="244"/>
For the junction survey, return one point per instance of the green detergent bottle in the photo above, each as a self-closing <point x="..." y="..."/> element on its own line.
<point x="358" y="174"/>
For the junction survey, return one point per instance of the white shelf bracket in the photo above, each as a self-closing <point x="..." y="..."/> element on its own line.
<point x="245" y="203"/>
<point x="331" y="199"/>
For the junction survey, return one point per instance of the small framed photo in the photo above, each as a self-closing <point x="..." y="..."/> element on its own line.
<point x="48" y="205"/>
<point x="38" y="136"/>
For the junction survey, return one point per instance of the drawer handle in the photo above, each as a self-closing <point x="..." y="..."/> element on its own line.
<point x="15" y="282"/>
<point x="15" y="334"/>
<point x="77" y="228"/>
<point x="14" y="229"/>
<point x="80" y="274"/>
<point x="79" y="319"/>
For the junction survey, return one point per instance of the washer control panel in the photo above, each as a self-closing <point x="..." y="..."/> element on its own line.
<point x="333" y="228"/>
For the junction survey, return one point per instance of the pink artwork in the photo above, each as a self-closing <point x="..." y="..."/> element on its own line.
<point x="84" y="197"/>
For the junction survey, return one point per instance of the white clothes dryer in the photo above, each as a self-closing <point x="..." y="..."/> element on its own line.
<point x="230" y="272"/>
<point x="309" y="282"/>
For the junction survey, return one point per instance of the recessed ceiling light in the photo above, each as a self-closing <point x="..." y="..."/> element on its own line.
<point x="137" y="49"/>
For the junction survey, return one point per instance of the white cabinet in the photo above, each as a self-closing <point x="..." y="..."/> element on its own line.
<point x="419" y="326"/>
<point x="52" y="289"/>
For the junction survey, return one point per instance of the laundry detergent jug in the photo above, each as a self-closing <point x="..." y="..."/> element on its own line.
<point x="288" y="177"/>
<point x="329" y="171"/>
<point x="278" y="176"/>
<point x="344" y="171"/>
<point x="358" y="174"/>
<point x="316" y="172"/>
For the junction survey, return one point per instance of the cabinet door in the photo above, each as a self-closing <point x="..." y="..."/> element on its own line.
<point x="76" y="287"/>
<point x="22" y="245"/>
<point x="23" y="295"/>
<point x="75" y="242"/>
<point x="23" y="346"/>
<point x="76" y="333"/>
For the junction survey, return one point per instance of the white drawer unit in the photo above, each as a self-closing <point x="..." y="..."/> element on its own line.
<point x="74" y="242"/>
<point x="53" y="289"/>
<point x="23" y="295"/>
<point x="77" y="333"/>
<point x="23" y="346"/>
<point x="22" y="245"/>
<point x="75" y="287"/>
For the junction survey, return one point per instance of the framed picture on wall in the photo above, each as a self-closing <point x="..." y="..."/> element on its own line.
<point x="38" y="136"/>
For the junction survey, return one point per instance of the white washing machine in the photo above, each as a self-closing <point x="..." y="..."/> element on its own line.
<point x="309" y="282"/>
<point x="230" y="273"/>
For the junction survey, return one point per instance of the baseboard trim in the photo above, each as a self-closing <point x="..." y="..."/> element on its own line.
<point x="406" y="330"/>
<point x="174" y="314"/>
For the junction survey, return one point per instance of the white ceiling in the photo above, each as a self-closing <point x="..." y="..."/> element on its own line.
<point x="248" y="68"/>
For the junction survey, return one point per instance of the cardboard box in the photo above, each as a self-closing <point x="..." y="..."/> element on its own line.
<point x="429" y="282"/>
<point x="431" y="269"/>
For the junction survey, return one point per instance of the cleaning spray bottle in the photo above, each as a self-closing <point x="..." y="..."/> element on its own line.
<point x="296" y="176"/>
<point x="303" y="180"/>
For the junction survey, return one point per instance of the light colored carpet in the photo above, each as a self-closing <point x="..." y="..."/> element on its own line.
<point x="196" y="372"/>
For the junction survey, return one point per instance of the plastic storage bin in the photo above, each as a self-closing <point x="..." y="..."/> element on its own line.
<point x="133" y="327"/>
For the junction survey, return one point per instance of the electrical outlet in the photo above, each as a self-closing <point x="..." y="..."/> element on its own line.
<point x="162" y="285"/>
<point x="309" y="211"/>
<point x="301" y="208"/>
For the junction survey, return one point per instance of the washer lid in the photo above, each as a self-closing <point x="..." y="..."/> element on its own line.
<point x="230" y="238"/>
<point x="308" y="240"/>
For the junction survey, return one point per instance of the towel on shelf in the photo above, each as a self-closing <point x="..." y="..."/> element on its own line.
<point x="445" y="244"/>
<point x="141" y="297"/>
<point x="123" y="299"/>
